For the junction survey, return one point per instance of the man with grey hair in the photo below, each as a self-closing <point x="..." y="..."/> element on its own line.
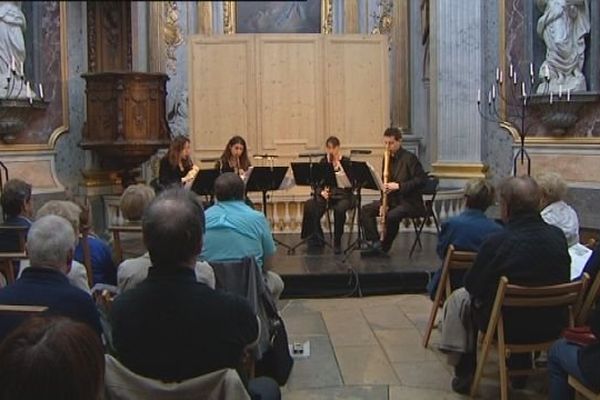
<point x="50" y="246"/>
<point x="528" y="252"/>
<point x="468" y="230"/>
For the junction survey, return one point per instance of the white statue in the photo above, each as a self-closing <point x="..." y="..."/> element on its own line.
<point x="12" y="43"/>
<point x="563" y="27"/>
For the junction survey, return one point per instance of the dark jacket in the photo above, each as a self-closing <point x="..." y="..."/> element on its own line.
<point x="528" y="252"/>
<point x="335" y="191"/>
<point x="406" y="169"/>
<point x="51" y="288"/>
<point x="169" y="175"/>
<point x="589" y="356"/>
<point x="172" y="328"/>
<point x="9" y="239"/>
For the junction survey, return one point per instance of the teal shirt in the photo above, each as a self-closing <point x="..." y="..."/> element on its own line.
<point x="233" y="231"/>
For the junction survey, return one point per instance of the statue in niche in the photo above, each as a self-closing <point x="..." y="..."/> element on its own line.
<point x="563" y="26"/>
<point x="12" y="45"/>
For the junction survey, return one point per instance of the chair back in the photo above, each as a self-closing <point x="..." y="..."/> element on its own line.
<point x="7" y="265"/>
<point x="116" y="231"/>
<point x="120" y="383"/>
<point x="455" y="260"/>
<point x="10" y="309"/>
<point x="87" y="257"/>
<point x="19" y="232"/>
<point x="590" y="299"/>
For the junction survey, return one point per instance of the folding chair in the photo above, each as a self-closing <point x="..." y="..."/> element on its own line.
<point x="582" y="389"/>
<point x="419" y="220"/>
<point x="116" y="231"/>
<point x="590" y="299"/>
<point x="7" y="265"/>
<point x="454" y="261"/>
<point x="567" y="295"/>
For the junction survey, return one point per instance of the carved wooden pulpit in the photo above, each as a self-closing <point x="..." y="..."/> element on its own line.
<point x="126" y="120"/>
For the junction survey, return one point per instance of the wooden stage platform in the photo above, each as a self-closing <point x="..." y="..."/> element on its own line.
<point x="309" y="273"/>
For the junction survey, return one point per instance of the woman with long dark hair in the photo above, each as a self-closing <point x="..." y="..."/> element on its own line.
<point x="234" y="157"/>
<point x="176" y="167"/>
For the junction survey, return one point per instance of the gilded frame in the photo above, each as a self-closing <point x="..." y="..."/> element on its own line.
<point x="64" y="74"/>
<point x="229" y="17"/>
<point x="550" y="141"/>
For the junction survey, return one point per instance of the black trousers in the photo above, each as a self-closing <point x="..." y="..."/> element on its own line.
<point x="395" y="215"/>
<point x="314" y="210"/>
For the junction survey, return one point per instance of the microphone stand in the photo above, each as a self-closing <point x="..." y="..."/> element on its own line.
<point x="264" y="201"/>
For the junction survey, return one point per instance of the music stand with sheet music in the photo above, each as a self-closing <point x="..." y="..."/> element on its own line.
<point x="204" y="183"/>
<point x="266" y="179"/>
<point x="363" y="176"/>
<point x="315" y="175"/>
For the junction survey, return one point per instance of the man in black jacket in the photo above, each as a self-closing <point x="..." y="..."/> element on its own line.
<point x="338" y="198"/>
<point x="406" y="179"/>
<point x="171" y="327"/>
<point x="528" y="252"/>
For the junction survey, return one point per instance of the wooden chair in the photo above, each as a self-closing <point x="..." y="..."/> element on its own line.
<point x="19" y="309"/>
<point x="590" y="299"/>
<point x="7" y="264"/>
<point x="582" y="389"/>
<point x="454" y="261"/>
<point x="20" y="231"/>
<point x="116" y="232"/>
<point x="568" y="295"/>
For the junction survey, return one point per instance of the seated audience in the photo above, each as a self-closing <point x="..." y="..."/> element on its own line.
<point x="554" y="210"/>
<point x="528" y="252"/>
<point x="53" y="358"/>
<point x="103" y="267"/>
<point x="133" y="271"/>
<point x="50" y="246"/>
<point x="468" y="230"/>
<point x="17" y="208"/>
<point x="234" y="231"/>
<point x="566" y="358"/>
<point x="70" y="211"/>
<point x="134" y="201"/>
<point x="198" y="330"/>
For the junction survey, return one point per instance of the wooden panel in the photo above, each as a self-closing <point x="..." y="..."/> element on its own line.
<point x="222" y="93"/>
<point x="357" y="90"/>
<point x="290" y="108"/>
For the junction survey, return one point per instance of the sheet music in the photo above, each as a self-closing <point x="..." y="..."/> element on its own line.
<point x="376" y="177"/>
<point x="246" y="175"/>
<point x="288" y="182"/>
<point x="342" y="179"/>
<point x="579" y="256"/>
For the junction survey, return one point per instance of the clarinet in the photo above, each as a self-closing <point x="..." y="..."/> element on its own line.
<point x="384" y="195"/>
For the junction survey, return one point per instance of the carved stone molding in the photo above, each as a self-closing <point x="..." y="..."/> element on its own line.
<point x="165" y="36"/>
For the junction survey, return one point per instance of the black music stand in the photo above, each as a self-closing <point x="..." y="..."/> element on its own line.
<point x="204" y="183"/>
<point x="315" y="175"/>
<point x="265" y="179"/>
<point x="362" y="177"/>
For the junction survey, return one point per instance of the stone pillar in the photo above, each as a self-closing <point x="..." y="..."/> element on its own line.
<point x="456" y="71"/>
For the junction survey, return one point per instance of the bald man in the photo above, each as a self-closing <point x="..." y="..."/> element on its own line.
<point x="528" y="252"/>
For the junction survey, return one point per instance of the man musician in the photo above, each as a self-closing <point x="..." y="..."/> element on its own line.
<point x="339" y="199"/>
<point x="403" y="189"/>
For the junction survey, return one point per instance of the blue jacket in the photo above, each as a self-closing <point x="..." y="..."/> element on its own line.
<point x="51" y="288"/>
<point x="103" y="267"/>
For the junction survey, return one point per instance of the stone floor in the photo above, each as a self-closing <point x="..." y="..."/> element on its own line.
<point x="370" y="348"/>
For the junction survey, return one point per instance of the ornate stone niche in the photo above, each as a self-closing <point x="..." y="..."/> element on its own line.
<point x="126" y="120"/>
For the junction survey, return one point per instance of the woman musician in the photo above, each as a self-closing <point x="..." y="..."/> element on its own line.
<point x="176" y="167"/>
<point x="340" y="199"/>
<point x="235" y="157"/>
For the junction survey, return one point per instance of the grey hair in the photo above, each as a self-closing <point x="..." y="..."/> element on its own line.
<point x="479" y="194"/>
<point x="49" y="241"/>
<point x="552" y="185"/>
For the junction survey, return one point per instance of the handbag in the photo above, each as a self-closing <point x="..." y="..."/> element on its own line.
<point x="581" y="335"/>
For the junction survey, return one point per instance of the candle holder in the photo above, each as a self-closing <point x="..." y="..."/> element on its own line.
<point x="17" y="102"/>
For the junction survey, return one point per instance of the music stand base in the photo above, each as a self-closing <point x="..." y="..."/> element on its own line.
<point x="292" y="249"/>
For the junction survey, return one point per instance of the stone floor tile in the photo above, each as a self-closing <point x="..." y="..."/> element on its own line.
<point x="386" y="317"/>
<point x="411" y="393"/>
<point x="348" y="328"/>
<point x="305" y="324"/>
<point x="365" y="365"/>
<point x="341" y="393"/>
<point x="398" y="337"/>
<point x="317" y="371"/>
<point x="426" y="374"/>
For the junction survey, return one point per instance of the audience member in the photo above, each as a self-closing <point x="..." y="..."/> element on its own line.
<point x="50" y="246"/>
<point x="134" y="201"/>
<point x="554" y="210"/>
<point x="566" y="358"/>
<point x="234" y="231"/>
<point x="528" y="252"/>
<point x="17" y="208"/>
<point x="53" y="358"/>
<point x="77" y="274"/>
<point x="468" y="230"/>
<point x="103" y="267"/>
<point x="171" y="327"/>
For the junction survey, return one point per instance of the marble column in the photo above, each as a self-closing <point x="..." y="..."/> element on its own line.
<point x="456" y="72"/>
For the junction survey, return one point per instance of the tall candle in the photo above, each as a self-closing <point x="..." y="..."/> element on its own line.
<point x="500" y="80"/>
<point x="478" y="96"/>
<point x="547" y="72"/>
<point x="550" y="97"/>
<point x="41" y="91"/>
<point x="510" y="71"/>
<point x="523" y="89"/>
<point x="490" y="98"/>
<point x="28" y="89"/>
<point x="497" y="74"/>
<point x="568" y="94"/>
<point x="515" y="78"/>
<point x="494" y="92"/>
<point x="531" y="69"/>
<point x="559" y="91"/>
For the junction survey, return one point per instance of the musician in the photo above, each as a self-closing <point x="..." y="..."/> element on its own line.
<point x="340" y="199"/>
<point x="234" y="157"/>
<point x="176" y="167"/>
<point x="406" y="178"/>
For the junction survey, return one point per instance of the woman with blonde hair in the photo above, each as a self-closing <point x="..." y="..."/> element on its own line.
<point x="553" y="208"/>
